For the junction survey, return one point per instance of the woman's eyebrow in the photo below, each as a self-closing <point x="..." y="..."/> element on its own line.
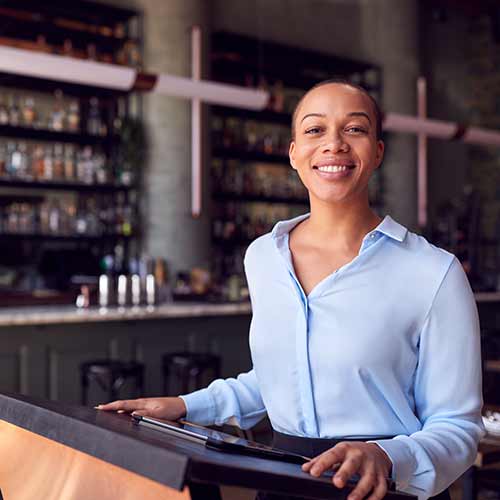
<point x="360" y="113"/>
<point x="321" y="115"/>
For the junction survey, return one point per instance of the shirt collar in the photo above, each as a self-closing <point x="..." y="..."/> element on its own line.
<point x="388" y="226"/>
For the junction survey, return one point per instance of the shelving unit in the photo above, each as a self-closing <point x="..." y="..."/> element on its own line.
<point x="65" y="186"/>
<point x="253" y="184"/>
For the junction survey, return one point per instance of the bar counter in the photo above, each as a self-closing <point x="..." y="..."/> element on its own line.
<point x="46" y="315"/>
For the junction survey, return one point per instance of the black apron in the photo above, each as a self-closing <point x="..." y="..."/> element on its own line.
<point x="311" y="447"/>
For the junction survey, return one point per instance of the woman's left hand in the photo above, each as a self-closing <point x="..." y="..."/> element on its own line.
<point x="367" y="459"/>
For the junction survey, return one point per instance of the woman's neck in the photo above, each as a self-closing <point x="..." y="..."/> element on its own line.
<point x="343" y="225"/>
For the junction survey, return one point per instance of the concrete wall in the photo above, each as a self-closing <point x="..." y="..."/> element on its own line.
<point x="170" y="231"/>
<point x="357" y="29"/>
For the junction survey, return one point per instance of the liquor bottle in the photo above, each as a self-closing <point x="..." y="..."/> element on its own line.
<point x="88" y="165"/>
<point x="22" y="171"/>
<point x="92" y="52"/>
<point x="14" y="159"/>
<point x="67" y="48"/>
<point x="69" y="163"/>
<point x="100" y="166"/>
<point x="37" y="165"/>
<point x="54" y="217"/>
<point x="58" y="116"/>
<point x="58" y="161"/>
<point x="73" y="119"/>
<point x="29" y="112"/>
<point x="4" y="112"/>
<point x="94" y="123"/>
<point x="48" y="164"/>
<point x="14" y="111"/>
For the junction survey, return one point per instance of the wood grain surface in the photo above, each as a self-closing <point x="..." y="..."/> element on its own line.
<point x="33" y="467"/>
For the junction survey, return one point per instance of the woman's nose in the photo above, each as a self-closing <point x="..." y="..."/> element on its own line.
<point x="335" y="142"/>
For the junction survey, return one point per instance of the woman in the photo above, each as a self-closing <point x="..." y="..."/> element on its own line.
<point x="364" y="337"/>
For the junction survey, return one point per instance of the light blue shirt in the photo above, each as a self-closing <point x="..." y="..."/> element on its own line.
<point x="387" y="345"/>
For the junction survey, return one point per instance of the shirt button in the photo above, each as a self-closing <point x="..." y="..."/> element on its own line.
<point x="372" y="235"/>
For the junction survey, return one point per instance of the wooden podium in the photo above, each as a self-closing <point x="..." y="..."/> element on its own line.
<point x="53" y="451"/>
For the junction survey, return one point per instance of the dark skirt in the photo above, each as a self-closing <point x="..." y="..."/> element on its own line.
<point x="311" y="447"/>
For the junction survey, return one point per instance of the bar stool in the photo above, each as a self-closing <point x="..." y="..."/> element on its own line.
<point x="189" y="369"/>
<point x="110" y="376"/>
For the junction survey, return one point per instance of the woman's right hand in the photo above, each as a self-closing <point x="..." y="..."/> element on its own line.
<point x="166" y="408"/>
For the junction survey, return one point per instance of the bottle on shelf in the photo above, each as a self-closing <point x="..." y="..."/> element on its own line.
<point x="94" y="122"/>
<point x="73" y="120"/>
<point x="29" y="112"/>
<point x="4" y="111"/>
<point x="48" y="164"/>
<point x="14" y="111"/>
<point x="69" y="162"/>
<point x="57" y="120"/>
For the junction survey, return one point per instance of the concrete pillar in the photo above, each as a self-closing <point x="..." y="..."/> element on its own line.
<point x="390" y="39"/>
<point x="169" y="230"/>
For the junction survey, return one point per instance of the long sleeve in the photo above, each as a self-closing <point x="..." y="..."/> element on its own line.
<point x="447" y="391"/>
<point x="232" y="401"/>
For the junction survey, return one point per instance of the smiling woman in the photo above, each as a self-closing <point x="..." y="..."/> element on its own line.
<point x="347" y="357"/>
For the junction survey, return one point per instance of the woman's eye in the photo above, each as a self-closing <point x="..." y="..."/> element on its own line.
<point x="313" y="130"/>
<point x="356" y="130"/>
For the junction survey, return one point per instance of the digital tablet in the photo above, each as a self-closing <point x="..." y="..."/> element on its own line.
<point x="218" y="440"/>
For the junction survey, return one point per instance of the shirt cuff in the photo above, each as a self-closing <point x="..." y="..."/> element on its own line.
<point x="200" y="407"/>
<point x="403" y="461"/>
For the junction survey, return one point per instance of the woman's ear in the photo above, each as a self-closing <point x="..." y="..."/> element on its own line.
<point x="379" y="155"/>
<point x="291" y="154"/>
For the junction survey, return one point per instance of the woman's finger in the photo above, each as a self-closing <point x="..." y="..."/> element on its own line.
<point x="126" y="405"/>
<point x="350" y="465"/>
<point x="367" y="483"/>
<point x="327" y="460"/>
<point x="380" y="489"/>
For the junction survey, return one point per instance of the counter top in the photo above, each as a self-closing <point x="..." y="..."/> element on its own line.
<point x="44" y="315"/>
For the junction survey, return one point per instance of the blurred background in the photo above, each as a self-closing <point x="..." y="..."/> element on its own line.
<point x="121" y="264"/>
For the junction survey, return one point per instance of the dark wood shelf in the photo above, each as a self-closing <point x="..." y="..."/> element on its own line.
<point x="265" y="115"/>
<point x="234" y="56"/>
<point x="243" y="155"/>
<point x="55" y="34"/>
<point x="83" y="10"/>
<point x="259" y="199"/>
<point x="37" y="134"/>
<point x="64" y="186"/>
<point x="63" y="237"/>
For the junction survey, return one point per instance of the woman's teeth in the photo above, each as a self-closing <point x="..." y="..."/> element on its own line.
<point x="333" y="168"/>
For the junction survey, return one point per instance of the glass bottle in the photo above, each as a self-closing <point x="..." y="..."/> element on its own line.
<point x="14" y="111"/>
<point x="48" y="164"/>
<point x="69" y="162"/>
<point x="58" y="117"/>
<point x="37" y="166"/>
<point x="4" y="112"/>
<point x="29" y="112"/>
<point x="15" y="159"/>
<point x="94" y="124"/>
<point x="58" y="161"/>
<point x="54" y="217"/>
<point x="74" y="117"/>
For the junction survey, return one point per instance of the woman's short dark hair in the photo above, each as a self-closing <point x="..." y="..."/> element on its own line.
<point x="376" y="108"/>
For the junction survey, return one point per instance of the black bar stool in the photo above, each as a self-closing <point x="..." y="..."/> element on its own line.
<point x="110" y="375"/>
<point x="189" y="369"/>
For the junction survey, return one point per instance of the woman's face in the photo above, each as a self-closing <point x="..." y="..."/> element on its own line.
<point x="335" y="149"/>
